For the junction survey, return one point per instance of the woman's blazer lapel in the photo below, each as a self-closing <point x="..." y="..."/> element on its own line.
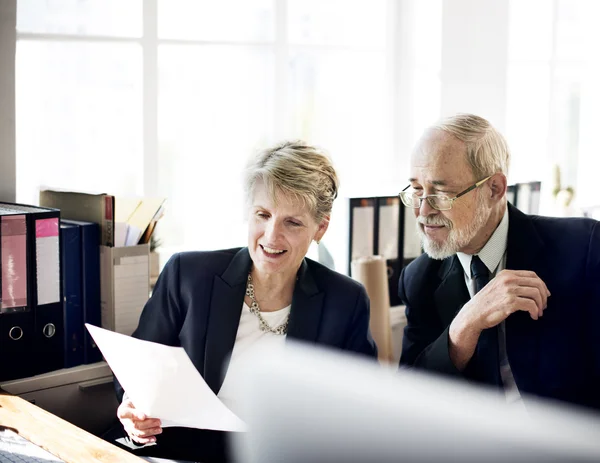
<point x="224" y="318"/>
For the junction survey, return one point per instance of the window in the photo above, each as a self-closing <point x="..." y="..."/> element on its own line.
<point x="553" y="92"/>
<point x="171" y="97"/>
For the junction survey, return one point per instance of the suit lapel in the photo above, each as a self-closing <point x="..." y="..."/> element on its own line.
<point x="522" y="333"/>
<point x="225" y="311"/>
<point x="307" y="307"/>
<point x="452" y="293"/>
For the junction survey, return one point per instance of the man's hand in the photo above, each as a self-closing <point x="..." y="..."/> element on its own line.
<point x="138" y="426"/>
<point x="509" y="292"/>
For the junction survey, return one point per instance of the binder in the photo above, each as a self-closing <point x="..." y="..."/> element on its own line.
<point x="16" y="310"/>
<point x="362" y="229"/>
<point x="96" y="208"/>
<point x="90" y="281"/>
<point x="45" y="291"/>
<point x="534" y="200"/>
<point x="511" y="194"/>
<point x="390" y="243"/>
<point x="70" y="238"/>
<point x="382" y="226"/>
<point x="524" y="197"/>
<point x="412" y="247"/>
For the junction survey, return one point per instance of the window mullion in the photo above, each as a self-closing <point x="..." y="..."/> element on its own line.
<point x="150" y="97"/>
<point x="281" y="70"/>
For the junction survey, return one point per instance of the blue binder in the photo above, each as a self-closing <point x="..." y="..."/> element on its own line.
<point x="70" y="238"/>
<point x="90" y="267"/>
<point x="16" y="309"/>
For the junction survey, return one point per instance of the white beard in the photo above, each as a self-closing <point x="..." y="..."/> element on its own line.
<point x="457" y="239"/>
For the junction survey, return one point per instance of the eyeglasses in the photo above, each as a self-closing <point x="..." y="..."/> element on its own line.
<point x="439" y="202"/>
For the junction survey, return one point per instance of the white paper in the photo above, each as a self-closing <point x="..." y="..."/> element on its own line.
<point x="120" y="234"/>
<point x="163" y="383"/>
<point x="133" y="235"/>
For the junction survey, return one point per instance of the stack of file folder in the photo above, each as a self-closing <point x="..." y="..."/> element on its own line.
<point x="125" y="228"/>
<point x="67" y="263"/>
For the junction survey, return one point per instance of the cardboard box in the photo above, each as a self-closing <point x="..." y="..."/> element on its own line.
<point x="124" y="286"/>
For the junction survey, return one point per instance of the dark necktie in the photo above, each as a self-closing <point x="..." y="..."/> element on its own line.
<point x="488" y="358"/>
<point x="479" y="273"/>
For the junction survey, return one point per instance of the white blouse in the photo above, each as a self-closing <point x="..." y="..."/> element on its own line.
<point x="249" y="337"/>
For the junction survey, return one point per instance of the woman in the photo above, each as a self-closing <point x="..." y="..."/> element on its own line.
<point x="219" y="305"/>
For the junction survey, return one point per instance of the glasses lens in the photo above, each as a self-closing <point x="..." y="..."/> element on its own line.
<point x="441" y="203"/>
<point x="410" y="199"/>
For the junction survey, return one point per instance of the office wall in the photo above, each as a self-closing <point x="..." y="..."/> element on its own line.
<point x="475" y="58"/>
<point x="8" y="21"/>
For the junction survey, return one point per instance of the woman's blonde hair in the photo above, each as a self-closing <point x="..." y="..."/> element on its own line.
<point x="487" y="150"/>
<point x="298" y="170"/>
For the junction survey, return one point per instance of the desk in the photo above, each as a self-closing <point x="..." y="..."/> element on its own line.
<point x="82" y="395"/>
<point x="58" y="436"/>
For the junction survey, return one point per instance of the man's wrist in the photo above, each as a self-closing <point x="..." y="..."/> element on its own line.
<point x="463" y="336"/>
<point x="464" y="327"/>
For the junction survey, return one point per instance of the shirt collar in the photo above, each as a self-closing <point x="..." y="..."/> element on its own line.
<point x="491" y="254"/>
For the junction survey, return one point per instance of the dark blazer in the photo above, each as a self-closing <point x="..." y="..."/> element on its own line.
<point x="557" y="356"/>
<point x="197" y="304"/>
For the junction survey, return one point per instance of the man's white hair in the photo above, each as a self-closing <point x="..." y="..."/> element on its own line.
<point x="487" y="150"/>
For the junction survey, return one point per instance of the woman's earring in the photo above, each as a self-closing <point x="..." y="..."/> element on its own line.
<point x="318" y="241"/>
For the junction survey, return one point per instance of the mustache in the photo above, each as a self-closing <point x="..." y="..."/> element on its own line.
<point x="435" y="220"/>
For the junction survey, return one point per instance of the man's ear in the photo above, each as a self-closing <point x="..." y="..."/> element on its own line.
<point x="497" y="184"/>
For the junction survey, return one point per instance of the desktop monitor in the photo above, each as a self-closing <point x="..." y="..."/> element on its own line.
<point x="313" y="405"/>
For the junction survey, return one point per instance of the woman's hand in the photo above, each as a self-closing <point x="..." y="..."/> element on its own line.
<point x="139" y="427"/>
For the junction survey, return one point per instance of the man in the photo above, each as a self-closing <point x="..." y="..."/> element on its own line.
<point x="535" y="327"/>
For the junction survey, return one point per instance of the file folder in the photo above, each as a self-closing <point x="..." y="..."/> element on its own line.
<point x="94" y="208"/>
<point x="70" y="238"/>
<point x="90" y="281"/>
<point x="45" y="289"/>
<point x="16" y="311"/>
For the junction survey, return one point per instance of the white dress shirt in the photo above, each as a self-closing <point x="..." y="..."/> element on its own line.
<point x="493" y="255"/>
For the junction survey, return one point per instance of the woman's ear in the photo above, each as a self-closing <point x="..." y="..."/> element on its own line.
<point x="322" y="229"/>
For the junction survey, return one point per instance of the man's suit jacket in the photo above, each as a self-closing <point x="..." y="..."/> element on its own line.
<point x="197" y="304"/>
<point x="557" y="356"/>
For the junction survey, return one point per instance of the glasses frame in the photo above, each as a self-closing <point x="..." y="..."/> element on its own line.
<point x="402" y="194"/>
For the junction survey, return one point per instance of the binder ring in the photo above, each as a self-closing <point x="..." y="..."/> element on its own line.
<point x="390" y="272"/>
<point x="15" y="333"/>
<point x="49" y="330"/>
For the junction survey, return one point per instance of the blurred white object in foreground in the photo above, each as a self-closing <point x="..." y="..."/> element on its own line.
<point x="314" y="405"/>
